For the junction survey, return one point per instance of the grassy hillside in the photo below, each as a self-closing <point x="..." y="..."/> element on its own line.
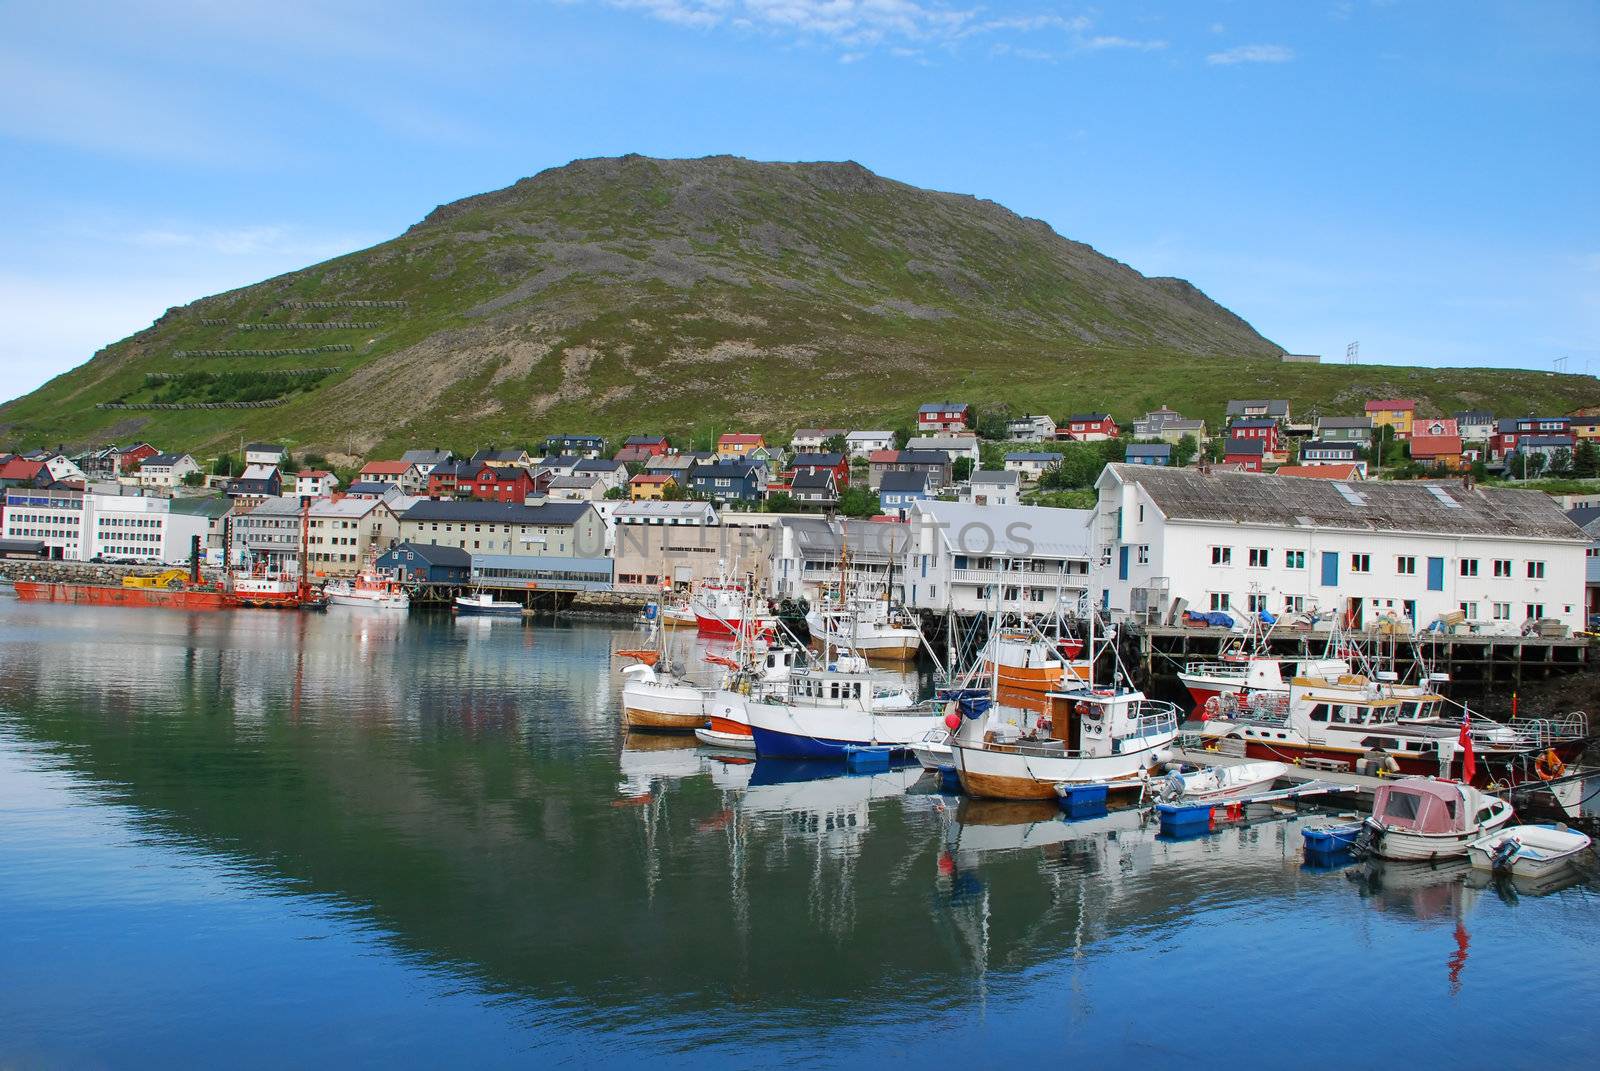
<point x="693" y="295"/>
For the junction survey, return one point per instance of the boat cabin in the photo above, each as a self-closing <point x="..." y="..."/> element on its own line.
<point x="1420" y="805"/>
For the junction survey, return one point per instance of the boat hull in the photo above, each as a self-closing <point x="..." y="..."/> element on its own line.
<point x="366" y="602"/>
<point x="801" y="732"/>
<point x="1404" y="846"/>
<point x="1036" y="679"/>
<point x="116" y="595"/>
<point x="726" y="733"/>
<point x="1490" y="767"/>
<point x="663" y="707"/>
<point x="992" y="772"/>
<point x="1556" y="851"/>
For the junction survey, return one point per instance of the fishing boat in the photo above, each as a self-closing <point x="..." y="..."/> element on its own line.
<point x="719" y="607"/>
<point x="868" y="626"/>
<point x="1033" y="661"/>
<point x="824" y="710"/>
<point x="1365" y="725"/>
<point x="1087" y="735"/>
<point x="1418" y="819"/>
<point x="370" y="590"/>
<point x="677" y="613"/>
<point x="178" y="597"/>
<point x="483" y="604"/>
<point x="264" y="588"/>
<point x="1218" y="783"/>
<point x="1536" y="851"/>
<point x="661" y="701"/>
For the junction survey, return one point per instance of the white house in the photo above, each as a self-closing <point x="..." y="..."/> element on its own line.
<point x="1030" y="465"/>
<point x="809" y="440"/>
<point x="957" y="446"/>
<point x="264" y="454"/>
<point x="986" y="487"/>
<point x="315" y="483"/>
<point x="166" y="470"/>
<point x="1366" y="551"/>
<point x="862" y="443"/>
<point x="961" y="556"/>
<point x="1031" y="429"/>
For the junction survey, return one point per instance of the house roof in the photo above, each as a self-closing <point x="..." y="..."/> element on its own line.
<point x="252" y="448"/>
<point x="474" y="511"/>
<point x="434" y="555"/>
<point x="598" y="464"/>
<point x="313" y="474"/>
<point x="368" y="487"/>
<point x="996" y="478"/>
<point x="1345" y="422"/>
<point x="1089" y="418"/>
<point x="1428" y="426"/>
<point x="259" y="472"/>
<point x="164" y="460"/>
<point x="922" y="457"/>
<point x="1321" y="472"/>
<point x="816" y="460"/>
<point x="574" y="482"/>
<point x="883" y="457"/>
<point x="739" y="438"/>
<point x="347" y="507"/>
<point x="942" y="407"/>
<point x="1245" y="448"/>
<point x="813" y="480"/>
<point x="386" y="468"/>
<point x="1274" y="407"/>
<point x="1387" y="506"/>
<point x="1475" y="416"/>
<point x="20" y="469"/>
<point x="665" y="509"/>
<point x="1020" y="531"/>
<point x="724" y="469"/>
<point x="498" y="455"/>
<point x="1253" y="422"/>
<point x="1149" y="449"/>
<point x="1342" y="445"/>
<point x="1047" y="456"/>
<point x="1583" y="516"/>
<point x="650" y="478"/>
<point x="1545" y="440"/>
<point x="427" y="457"/>
<point x="907" y="482"/>
<point x="645" y="440"/>
<point x="1436" y="446"/>
<point x="864" y="436"/>
<point x="1385" y="405"/>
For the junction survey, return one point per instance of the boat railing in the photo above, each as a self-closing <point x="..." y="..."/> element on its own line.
<point x="1222" y="670"/>
<point x="1538" y="732"/>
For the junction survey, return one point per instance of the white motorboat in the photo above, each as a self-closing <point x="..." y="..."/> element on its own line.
<point x="370" y="590"/>
<point x="932" y="751"/>
<point x="1418" y="819"/>
<point x="485" y="605"/>
<point x="867" y="626"/>
<point x="823" y="711"/>
<point x="652" y="700"/>
<point x="1528" y="851"/>
<point x="1218" y="783"/>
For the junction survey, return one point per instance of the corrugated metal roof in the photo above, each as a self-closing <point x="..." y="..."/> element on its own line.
<point x="1388" y="506"/>
<point x="476" y="512"/>
<point x="1013" y="531"/>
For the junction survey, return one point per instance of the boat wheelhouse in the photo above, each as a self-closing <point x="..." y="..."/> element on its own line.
<point x="1419" y="819"/>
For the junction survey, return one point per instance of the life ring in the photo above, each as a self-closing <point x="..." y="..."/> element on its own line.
<point x="1549" y="766"/>
<point x="1081" y="709"/>
<point x="1212" y="709"/>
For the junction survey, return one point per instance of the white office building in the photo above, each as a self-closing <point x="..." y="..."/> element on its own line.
<point x="1405" y="550"/>
<point x="75" y="526"/>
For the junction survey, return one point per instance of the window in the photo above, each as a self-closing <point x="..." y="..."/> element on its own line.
<point x="1406" y="565"/>
<point x="1502" y="611"/>
<point x="1219" y="601"/>
<point x="1469" y="567"/>
<point x="1221" y="555"/>
<point x="1294" y="559"/>
<point x="1535" y="610"/>
<point x="1259" y="557"/>
<point x="1470" y="609"/>
<point x="1535" y="570"/>
<point x="1361" y="563"/>
<point x="1144" y="554"/>
<point x="1502" y="566"/>
<point x="1294" y="604"/>
<point x="1256" y="603"/>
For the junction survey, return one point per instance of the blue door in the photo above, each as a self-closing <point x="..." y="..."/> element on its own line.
<point x="1435" y="574"/>
<point x="1122" y="563"/>
<point x="1330" y="568"/>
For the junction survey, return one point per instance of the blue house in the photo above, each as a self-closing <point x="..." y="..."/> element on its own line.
<point x="1149" y="454"/>
<point x="427" y="564"/>
<point x="898" y="490"/>
<point x="729" y="481"/>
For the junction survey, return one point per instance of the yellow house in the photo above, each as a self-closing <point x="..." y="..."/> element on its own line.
<point x="1586" y="427"/>
<point x="1396" y="413"/>
<point x="736" y="445"/>
<point x="650" y="486"/>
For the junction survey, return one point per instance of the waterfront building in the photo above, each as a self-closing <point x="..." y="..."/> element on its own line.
<point x="970" y="559"/>
<point x="1409" y="550"/>
<point x="80" y="526"/>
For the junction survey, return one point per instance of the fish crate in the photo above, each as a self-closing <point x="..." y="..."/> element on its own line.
<point x="867" y="758"/>
<point x="1082" y="801"/>
<point x="1180" y="820"/>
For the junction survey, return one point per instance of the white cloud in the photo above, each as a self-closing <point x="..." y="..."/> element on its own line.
<point x="1252" y="54"/>
<point x="1096" y="43"/>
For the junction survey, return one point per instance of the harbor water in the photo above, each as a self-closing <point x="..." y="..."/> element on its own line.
<point x="259" y="839"/>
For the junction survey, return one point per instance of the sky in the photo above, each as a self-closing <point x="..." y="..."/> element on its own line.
<point x="1421" y="178"/>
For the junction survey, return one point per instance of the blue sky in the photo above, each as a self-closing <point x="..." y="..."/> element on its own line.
<point x="1421" y="177"/>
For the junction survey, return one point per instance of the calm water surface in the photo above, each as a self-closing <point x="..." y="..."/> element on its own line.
<point x="257" y="839"/>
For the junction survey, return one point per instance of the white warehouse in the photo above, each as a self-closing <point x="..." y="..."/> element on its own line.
<point x="1368" y="550"/>
<point x="957" y="554"/>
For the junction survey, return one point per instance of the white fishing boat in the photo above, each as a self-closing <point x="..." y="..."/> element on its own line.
<point x="824" y="710"/>
<point x="370" y="590"/>
<point x="867" y="626"/>
<point x="1528" y="851"/>
<point x="483" y="604"/>
<point x="1218" y="783"/>
<point x="662" y="701"/>
<point x="932" y="751"/>
<point x="1418" y="819"/>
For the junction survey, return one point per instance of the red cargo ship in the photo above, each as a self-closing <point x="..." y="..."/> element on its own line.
<point x="182" y="598"/>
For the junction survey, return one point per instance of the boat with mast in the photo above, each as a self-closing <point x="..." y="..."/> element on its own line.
<point x="369" y="589"/>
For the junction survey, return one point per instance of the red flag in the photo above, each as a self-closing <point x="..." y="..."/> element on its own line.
<point x="1469" y="764"/>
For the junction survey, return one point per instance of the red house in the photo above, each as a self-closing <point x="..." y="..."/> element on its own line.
<point x="641" y="448"/>
<point x="500" y="484"/>
<point x="1088" y="428"/>
<point x="1260" y="428"/>
<point x="1247" y="454"/>
<point x="944" y="416"/>
<point x="129" y="458"/>
<point x="838" y="464"/>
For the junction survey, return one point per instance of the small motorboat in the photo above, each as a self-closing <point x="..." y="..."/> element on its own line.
<point x="1217" y="783"/>
<point x="485" y="605"/>
<point x="1331" y="840"/>
<point x="933" y="749"/>
<point x="1528" y="851"/>
<point x="1419" y="819"/>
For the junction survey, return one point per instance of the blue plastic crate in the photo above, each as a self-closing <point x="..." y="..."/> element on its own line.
<point x="1184" y="819"/>
<point x="867" y="758"/>
<point x="1082" y="801"/>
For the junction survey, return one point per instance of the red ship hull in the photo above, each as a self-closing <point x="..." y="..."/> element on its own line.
<point x="116" y="595"/>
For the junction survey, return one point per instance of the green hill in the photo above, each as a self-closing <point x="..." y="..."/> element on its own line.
<point x="685" y="296"/>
